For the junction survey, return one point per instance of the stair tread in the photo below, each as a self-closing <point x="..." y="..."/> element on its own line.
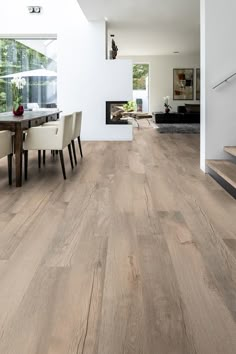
<point x="224" y="168"/>
<point x="231" y="150"/>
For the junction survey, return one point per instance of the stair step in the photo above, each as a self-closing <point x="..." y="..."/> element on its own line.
<point x="225" y="169"/>
<point x="231" y="150"/>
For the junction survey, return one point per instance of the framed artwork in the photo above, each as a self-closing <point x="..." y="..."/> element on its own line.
<point x="183" y="84"/>
<point x="198" y="84"/>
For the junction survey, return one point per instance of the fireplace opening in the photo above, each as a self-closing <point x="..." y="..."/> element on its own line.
<point x="115" y="113"/>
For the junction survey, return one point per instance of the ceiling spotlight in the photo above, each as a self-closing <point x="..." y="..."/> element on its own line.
<point x="34" y="9"/>
<point x="37" y="9"/>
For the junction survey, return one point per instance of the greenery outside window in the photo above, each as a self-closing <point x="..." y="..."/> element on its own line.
<point x="140" y="74"/>
<point x="35" y="60"/>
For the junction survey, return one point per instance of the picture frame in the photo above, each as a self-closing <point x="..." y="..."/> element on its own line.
<point x="183" y="84"/>
<point x="198" y="84"/>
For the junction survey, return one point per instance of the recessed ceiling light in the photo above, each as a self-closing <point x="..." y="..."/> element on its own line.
<point x="34" y="9"/>
<point x="37" y="9"/>
<point x="176" y="52"/>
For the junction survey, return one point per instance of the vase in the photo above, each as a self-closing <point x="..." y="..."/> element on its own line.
<point x="19" y="111"/>
<point x="167" y="110"/>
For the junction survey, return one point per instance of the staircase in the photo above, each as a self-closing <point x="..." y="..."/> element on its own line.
<point x="224" y="171"/>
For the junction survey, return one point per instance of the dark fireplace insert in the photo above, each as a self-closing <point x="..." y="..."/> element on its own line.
<point x="115" y="113"/>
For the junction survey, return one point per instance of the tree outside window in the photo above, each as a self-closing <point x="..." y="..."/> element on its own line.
<point x="140" y="74"/>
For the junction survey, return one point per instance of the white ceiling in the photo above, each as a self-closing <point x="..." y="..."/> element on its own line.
<point x="149" y="27"/>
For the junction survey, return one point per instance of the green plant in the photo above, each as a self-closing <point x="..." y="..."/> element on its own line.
<point x="130" y="106"/>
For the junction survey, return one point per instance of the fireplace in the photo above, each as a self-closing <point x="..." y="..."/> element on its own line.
<point x="115" y="113"/>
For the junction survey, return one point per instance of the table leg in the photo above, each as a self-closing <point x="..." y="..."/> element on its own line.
<point x="18" y="155"/>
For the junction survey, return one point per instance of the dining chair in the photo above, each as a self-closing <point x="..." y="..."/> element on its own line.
<point x="76" y="129"/>
<point x="34" y="106"/>
<point x="6" y="150"/>
<point x="77" y="120"/>
<point x="48" y="137"/>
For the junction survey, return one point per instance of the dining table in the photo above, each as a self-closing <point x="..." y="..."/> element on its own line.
<point x="18" y="125"/>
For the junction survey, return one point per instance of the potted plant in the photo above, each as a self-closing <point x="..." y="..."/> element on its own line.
<point x="130" y="106"/>
<point x="166" y="104"/>
<point x="18" y="84"/>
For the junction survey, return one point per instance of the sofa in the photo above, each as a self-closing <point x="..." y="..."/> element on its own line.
<point x="189" y="113"/>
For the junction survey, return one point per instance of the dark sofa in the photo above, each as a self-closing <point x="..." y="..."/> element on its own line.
<point x="189" y="113"/>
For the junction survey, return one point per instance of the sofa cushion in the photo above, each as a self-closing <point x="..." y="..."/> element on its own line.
<point x="192" y="108"/>
<point x="181" y="109"/>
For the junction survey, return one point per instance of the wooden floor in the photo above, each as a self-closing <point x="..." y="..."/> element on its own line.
<point x="134" y="254"/>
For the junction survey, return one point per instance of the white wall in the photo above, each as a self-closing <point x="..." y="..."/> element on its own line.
<point x="161" y="77"/>
<point x="85" y="79"/>
<point x="218" y="61"/>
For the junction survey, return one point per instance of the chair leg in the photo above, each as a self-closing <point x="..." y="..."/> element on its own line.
<point x="39" y="158"/>
<point x="26" y="164"/>
<point x="74" y="152"/>
<point x="70" y="154"/>
<point x="9" y="159"/>
<point x="62" y="163"/>
<point x="44" y="157"/>
<point x="80" y="147"/>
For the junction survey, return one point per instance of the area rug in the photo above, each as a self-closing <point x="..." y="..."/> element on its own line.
<point x="178" y="128"/>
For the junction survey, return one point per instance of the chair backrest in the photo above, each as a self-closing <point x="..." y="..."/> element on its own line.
<point x="67" y="123"/>
<point x="33" y="105"/>
<point x="5" y="143"/>
<point x="77" y="119"/>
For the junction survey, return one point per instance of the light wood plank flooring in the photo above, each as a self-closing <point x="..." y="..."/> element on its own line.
<point x="134" y="254"/>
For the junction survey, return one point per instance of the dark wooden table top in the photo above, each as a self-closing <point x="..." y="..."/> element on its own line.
<point x="28" y="115"/>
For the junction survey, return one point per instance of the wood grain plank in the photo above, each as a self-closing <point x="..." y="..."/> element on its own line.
<point x="231" y="150"/>
<point x="134" y="253"/>
<point x="225" y="169"/>
<point x="200" y="298"/>
<point x="122" y="325"/>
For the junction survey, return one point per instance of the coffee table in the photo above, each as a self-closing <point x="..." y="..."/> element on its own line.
<point x="140" y="115"/>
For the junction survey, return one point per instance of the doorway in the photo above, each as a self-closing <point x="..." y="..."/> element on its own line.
<point x="141" y="86"/>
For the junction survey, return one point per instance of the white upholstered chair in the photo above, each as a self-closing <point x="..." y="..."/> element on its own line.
<point x="48" y="137"/>
<point x="6" y="150"/>
<point x="77" y="120"/>
<point x="76" y="129"/>
<point x="33" y="105"/>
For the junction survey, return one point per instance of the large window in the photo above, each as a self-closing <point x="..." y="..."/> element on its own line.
<point x="36" y="61"/>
